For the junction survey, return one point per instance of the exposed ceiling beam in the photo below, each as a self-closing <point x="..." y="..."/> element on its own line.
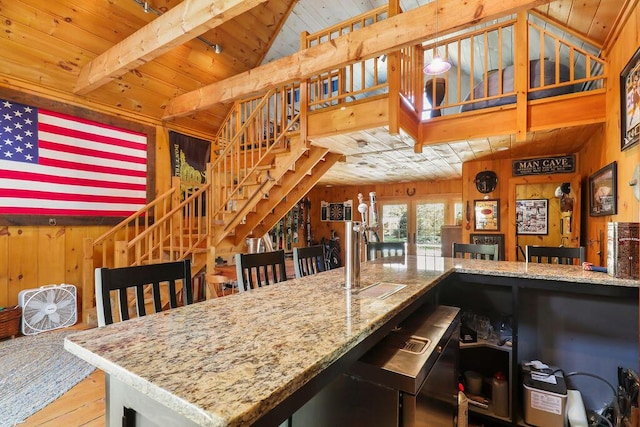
<point x="186" y="21"/>
<point x="405" y="29"/>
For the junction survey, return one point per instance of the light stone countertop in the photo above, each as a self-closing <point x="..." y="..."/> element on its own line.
<point x="229" y="361"/>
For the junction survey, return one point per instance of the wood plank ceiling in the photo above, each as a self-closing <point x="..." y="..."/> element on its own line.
<point x="47" y="44"/>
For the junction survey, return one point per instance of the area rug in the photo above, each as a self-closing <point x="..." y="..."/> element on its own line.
<point x="34" y="371"/>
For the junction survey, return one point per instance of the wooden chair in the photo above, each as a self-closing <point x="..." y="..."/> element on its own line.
<point x="261" y="269"/>
<point x="216" y="284"/>
<point x="139" y="279"/>
<point x="555" y="254"/>
<point x="474" y="251"/>
<point x="308" y="260"/>
<point x="384" y="249"/>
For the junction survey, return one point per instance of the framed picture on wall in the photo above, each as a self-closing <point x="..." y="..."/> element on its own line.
<point x="487" y="213"/>
<point x="630" y="102"/>
<point x="603" y="198"/>
<point x="532" y="216"/>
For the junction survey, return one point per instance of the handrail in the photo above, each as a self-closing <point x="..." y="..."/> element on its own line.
<point x="159" y="239"/>
<point x="347" y="26"/>
<point x="124" y="223"/>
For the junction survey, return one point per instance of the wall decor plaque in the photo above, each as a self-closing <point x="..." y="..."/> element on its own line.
<point x="544" y="165"/>
<point x="487" y="213"/>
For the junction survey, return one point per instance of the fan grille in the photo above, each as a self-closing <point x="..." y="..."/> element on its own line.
<point x="48" y="308"/>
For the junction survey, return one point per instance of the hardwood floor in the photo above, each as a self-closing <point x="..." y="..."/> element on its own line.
<point x="83" y="405"/>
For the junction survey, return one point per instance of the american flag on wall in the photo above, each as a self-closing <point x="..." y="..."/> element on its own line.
<point x="55" y="164"/>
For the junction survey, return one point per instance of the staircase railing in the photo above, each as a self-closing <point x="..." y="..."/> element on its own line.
<point x="246" y="144"/>
<point x="176" y="235"/>
<point x="166" y="229"/>
<point x="132" y="226"/>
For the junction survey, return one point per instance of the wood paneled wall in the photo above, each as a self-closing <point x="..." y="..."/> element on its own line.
<point x="510" y="188"/>
<point x="604" y="148"/>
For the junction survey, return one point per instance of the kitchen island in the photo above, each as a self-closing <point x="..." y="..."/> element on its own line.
<point x="256" y="357"/>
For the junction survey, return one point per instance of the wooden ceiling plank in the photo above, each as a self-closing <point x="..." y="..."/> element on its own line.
<point x="49" y="25"/>
<point x="379" y="38"/>
<point x="184" y="22"/>
<point x="576" y="19"/>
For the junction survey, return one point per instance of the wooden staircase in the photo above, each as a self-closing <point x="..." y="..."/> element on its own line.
<point x="264" y="166"/>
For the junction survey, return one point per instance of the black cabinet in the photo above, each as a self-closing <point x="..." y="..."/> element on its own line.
<point x="575" y="326"/>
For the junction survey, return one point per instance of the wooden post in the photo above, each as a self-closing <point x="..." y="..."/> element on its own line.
<point x="393" y="79"/>
<point x="120" y="254"/>
<point x="417" y="63"/>
<point x="304" y="97"/>
<point x="521" y="71"/>
<point x="87" y="291"/>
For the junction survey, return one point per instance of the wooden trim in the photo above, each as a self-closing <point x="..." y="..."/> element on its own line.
<point x="372" y="113"/>
<point x="575" y="109"/>
<point x="569" y="110"/>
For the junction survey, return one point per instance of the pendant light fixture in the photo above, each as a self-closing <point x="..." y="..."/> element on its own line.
<point x="437" y="65"/>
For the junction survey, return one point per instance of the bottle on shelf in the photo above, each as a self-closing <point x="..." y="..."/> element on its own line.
<point x="500" y="395"/>
<point x="462" y="420"/>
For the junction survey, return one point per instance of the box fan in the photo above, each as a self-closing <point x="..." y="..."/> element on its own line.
<point x="47" y="308"/>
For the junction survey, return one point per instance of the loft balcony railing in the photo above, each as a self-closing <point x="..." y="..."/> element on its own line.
<point x="483" y="72"/>
<point x="362" y="79"/>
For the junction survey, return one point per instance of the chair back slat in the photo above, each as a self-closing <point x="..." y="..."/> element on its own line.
<point x="384" y="249"/>
<point x="475" y="251"/>
<point x="556" y="254"/>
<point x="260" y="269"/>
<point x="308" y="260"/>
<point x="139" y="278"/>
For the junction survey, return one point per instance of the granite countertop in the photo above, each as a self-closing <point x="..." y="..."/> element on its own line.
<point x="228" y="361"/>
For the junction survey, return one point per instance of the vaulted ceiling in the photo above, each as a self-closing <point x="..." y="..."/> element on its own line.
<point x="118" y="54"/>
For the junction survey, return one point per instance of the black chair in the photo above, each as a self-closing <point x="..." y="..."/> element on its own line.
<point x="140" y="279"/>
<point x="377" y="250"/>
<point x="308" y="260"/>
<point x="261" y="269"/>
<point x="474" y="251"/>
<point x="555" y="254"/>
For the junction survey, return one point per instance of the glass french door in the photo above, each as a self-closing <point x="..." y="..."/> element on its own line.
<point x="418" y="223"/>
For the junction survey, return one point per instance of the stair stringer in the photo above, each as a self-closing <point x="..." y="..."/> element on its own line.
<point x="294" y="186"/>
<point x="283" y="162"/>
